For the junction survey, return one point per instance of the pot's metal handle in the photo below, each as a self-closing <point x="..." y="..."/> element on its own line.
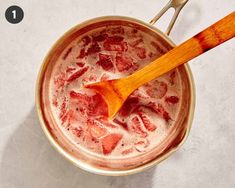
<point x="177" y="5"/>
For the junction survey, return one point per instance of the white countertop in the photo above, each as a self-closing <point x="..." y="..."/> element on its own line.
<point x="27" y="160"/>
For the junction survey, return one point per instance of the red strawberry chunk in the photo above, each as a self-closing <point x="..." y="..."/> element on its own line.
<point x="114" y="39"/>
<point x="148" y="125"/>
<point x="105" y="62"/>
<point x="94" y="105"/>
<point x="82" y="53"/>
<point x="119" y="122"/>
<point x="54" y="101"/>
<point x="150" y="54"/>
<point x="134" y="31"/>
<point x="136" y="126"/>
<point x="67" y="53"/>
<point x="141" y="52"/>
<point x="64" y="117"/>
<point x="68" y="117"/>
<point x="156" y="89"/>
<point x="79" y="96"/>
<point x="136" y="42"/>
<point x="97" y="106"/>
<point x="129" y="106"/>
<point x="80" y="64"/>
<point x="123" y="63"/>
<point x="86" y="40"/>
<point x="63" y="108"/>
<point x="172" y="99"/>
<point x="70" y="69"/>
<point x="77" y="74"/>
<point x="77" y="131"/>
<point x="110" y="142"/>
<point x="158" y="108"/>
<point x="100" y="38"/>
<point x="94" y="48"/>
<point x="115" y="46"/>
<point x="117" y="30"/>
<point x="59" y="80"/>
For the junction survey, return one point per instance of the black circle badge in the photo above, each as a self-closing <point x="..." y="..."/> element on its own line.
<point x="14" y="14"/>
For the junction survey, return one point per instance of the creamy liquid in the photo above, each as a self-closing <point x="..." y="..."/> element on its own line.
<point x="108" y="53"/>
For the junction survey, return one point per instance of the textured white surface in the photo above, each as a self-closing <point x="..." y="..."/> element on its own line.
<point x="27" y="160"/>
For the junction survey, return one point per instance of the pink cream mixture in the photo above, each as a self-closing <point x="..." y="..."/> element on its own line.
<point x="109" y="53"/>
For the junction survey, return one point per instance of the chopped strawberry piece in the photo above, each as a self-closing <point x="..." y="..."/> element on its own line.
<point x="59" y="80"/>
<point x="151" y="55"/>
<point x="54" y="102"/>
<point x="67" y="53"/>
<point x="114" y="39"/>
<point x="136" y="42"/>
<point x="134" y="31"/>
<point x="77" y="74"/>
<point x="158" y="108"/>
<point x="68" y="117"/>
<point x="172" y="99"/>
<point x="123" y="63"/>
<point x="117" y="30"/>
<point x="86" y="40"/>
<point x="100" y="38"/>
<point x="94" y="48"/>
<point x="135" y="66"/>
<point x="82" y="53"/>
<point x="156" y="89"/>
<point x="115" y="46"/>
<point x="136" y="126"/>
<point x="79" y="96"/>
<point x="110" y="142"/>
<point x="94" y="105"/>
<point x="119" y="122"/>
<point x="129" y="106"/>
<point x="127" y="151"/>
<point x="70" y="70"/>
<point x="77" y="131"/>
<point x="105" y="62"/>
<point x="98" y="106"/>
<point x="63" y="108"/>
<point x="148" y="125"/>
<point x="141" y="52"/>
<point x="64" y="117"/>
<point x="80" y="64"/>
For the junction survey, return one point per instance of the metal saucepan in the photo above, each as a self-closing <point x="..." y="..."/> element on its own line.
<point x="69" y="151"/>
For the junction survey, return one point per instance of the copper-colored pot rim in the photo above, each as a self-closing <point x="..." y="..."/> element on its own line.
<point x="88" y="167"/>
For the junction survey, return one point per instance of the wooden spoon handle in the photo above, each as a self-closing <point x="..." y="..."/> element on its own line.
<point x="214" y="35"/>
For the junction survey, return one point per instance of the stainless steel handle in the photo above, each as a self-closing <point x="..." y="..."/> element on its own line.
<point x="177" y="5"/>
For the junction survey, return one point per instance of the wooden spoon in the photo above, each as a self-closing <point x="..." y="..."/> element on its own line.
<point x="115" y="92"/>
